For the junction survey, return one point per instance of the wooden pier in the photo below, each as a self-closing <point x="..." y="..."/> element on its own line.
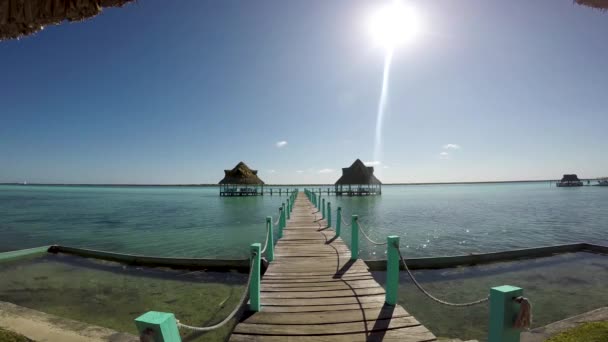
<point x="313" y="291"/>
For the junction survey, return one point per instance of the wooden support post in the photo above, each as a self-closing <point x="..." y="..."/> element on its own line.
<point x="254" y="285"/>
<point x="329" y="214"/>
<point x="270" y="232"/>
<point x="319" y="202"/>
<point x="270" y="191"/>
<point x="160" y="326"/>
<point x="354" y="241"/>
<point x="503" y="312"/>
<point x="288" y="209"/>
<point x="392" y="269"/>
<point x="323" y="209"/>
<point x="338" y="221"/>
<point x="281" y="222"/>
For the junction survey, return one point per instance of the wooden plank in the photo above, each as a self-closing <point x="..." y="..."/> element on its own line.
<point x="326" y="317"/>
<point x="323" y="294"/>
<point x="408" y="334"/>
<point x="325" y="329"/>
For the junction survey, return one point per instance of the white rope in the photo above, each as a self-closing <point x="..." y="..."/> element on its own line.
<point x="369" y="239"/>
<point x="231" y="315"/>
<point x="483" y="300"/>
<point x="276" y="223"/>
<point x="267" y="238"/>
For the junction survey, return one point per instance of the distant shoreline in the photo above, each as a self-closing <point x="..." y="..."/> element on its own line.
<point x="271" y="185"/>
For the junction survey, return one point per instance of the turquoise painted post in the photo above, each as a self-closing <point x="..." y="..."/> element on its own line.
<point x="254" y="285"/>
<point x="392" y="269"/>
<point x="338" y="221"/>
<point x="270" y="248"/>
<point x="503" y="312"/>
<point x="161" y="326"/>
<point x="319" y="201"/>
<point x="354" y="242"/>
<point x="329" y="214"/>
<point x="288" y="209"/>
<point x="323" y="208"/>
<point x="280" y="222"/>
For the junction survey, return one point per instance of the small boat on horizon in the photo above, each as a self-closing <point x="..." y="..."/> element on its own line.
<point x="602" y="181"/>
<point x="569" y="181"/>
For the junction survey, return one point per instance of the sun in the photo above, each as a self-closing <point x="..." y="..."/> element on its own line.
<point x="394" y="24"/>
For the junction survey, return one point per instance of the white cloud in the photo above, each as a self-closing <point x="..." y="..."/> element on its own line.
<point x="272" y="171"/>
<point x="385" y="167"/>
<point x="444" y="155"/>
<point x="300" y="171"/>
<point x="281" y="143"/>
<point x="372" y="163"/>
<point x="326" y="171"/>
<point x="451" y="147"/>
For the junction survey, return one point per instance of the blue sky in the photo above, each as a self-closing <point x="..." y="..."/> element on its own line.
<point x="177" y="91"/>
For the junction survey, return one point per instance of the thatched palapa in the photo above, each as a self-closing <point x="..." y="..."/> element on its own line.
<point x="598" y="4"/>
<point x="241" y="181"/>
<point x="570" y="180"/>
<point x="358" y="180"/>
<point x="20" y="18"/>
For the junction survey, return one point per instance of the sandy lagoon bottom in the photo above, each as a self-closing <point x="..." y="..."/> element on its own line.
<point x="112" y="295"/>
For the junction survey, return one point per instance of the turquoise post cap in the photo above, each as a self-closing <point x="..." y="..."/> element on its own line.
<point x="163" y="325"/>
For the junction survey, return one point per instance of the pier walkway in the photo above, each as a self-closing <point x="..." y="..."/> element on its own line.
<point x="312" y="291"/>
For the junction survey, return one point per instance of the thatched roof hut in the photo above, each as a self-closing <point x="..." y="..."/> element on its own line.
<point x="20" y="18"/>
<point x="598" y="4"/>
<point x="358" y="173"/>
<point x="241" y="174"/>
<point x="358" y="179"/>
<point x="570" y="178"/>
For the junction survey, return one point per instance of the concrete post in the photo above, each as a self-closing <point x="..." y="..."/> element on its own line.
<point x="392" y="269"/>
<point x="254" y="286"/>
<point x="503" y="312"/>
<point x="354" y="241"/>
<point x="161" y="326"/>
<point x="270" y="232"/>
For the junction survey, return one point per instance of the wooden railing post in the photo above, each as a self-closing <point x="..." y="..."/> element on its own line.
<point x="319" y="202"/>
<point x="392" y="269"/>
<point x="354" y="241"/>
<point x="323" y="209"/>
<point x="329" y="214"/>
<point x="281" y="215"/>
<point x="269" y="231"/>
<point x="159" y="326"/>
<point x="288" y="209"/>
<point x="338" y="221"/>
<point x="254" y="285"/>
<point x="503" y="312"/>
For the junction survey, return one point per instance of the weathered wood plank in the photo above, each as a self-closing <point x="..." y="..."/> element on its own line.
<point x="325" y="317"/>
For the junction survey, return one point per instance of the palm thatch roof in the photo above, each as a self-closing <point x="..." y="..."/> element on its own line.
<point x="358" y="173"/>
<point x="20" y="18"/>
<point x="241" y="174"/>
<point x="570" y="178"/>
<point x="598" y="4"/>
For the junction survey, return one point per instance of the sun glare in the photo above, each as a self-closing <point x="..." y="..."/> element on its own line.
<point x="394" y="24"/>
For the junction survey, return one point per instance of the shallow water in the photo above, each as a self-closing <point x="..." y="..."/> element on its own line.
<point x="558" y="287"/>
<point x="195" y="221"/>
<point x="113" y="295"/>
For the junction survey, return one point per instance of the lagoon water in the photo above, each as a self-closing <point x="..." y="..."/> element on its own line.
<point x="431" y="220"/>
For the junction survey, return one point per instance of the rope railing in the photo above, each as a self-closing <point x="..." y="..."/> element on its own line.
<point x="230" y="316"/>
<point x="266" y="242"/>
<point x="368" y="238"/>
<point x="425" y="292"/>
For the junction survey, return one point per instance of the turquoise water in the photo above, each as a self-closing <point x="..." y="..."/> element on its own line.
<point x="195" y="221"/>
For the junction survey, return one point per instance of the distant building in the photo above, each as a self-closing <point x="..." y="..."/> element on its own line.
<point x="358" y="180"/>
<point x="569" y="180"/>
<point x="241" y="181"/>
